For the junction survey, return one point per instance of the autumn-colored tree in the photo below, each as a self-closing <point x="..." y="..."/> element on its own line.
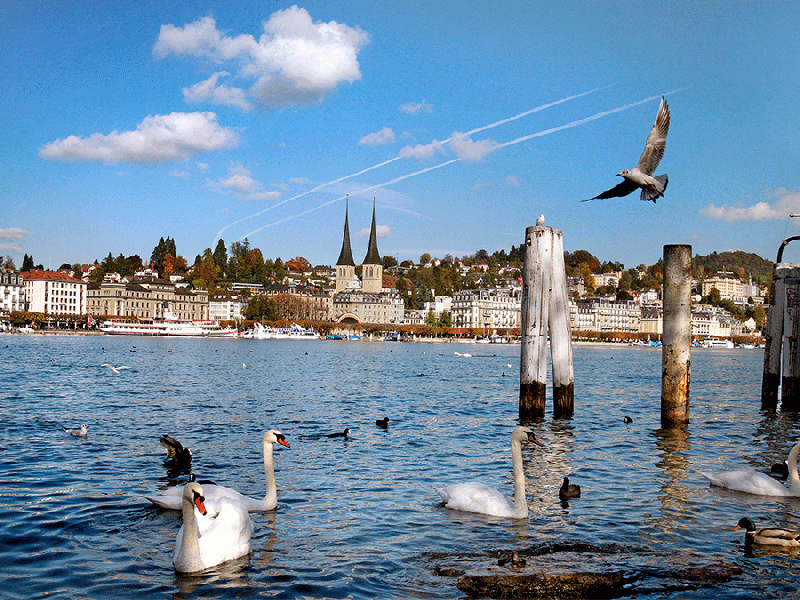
<point x="169" y="266"/>
<point x="298" y="265"/>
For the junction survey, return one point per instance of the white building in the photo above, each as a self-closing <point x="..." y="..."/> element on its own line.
<point x="440" y="305"/>
<point x="12" y="291"/>
<point x="54" y="293"/>
<point x="605" y="314"/>
<point x="225" y="306"/>
<point x="486" y="309"/>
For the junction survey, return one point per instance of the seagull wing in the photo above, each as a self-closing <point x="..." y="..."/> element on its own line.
<point x="656" y="141"/>
<point x="621" y="189"/>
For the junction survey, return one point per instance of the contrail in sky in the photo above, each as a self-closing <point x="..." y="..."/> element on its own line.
<point x="518" y="140"/>
<point x="386" y="162"/>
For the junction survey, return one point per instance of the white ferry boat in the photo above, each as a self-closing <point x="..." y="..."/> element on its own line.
<point x="295" y="332"/>
<point x="169" y="325"/>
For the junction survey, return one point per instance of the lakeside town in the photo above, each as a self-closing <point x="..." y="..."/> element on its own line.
<point x="476" y="297"/>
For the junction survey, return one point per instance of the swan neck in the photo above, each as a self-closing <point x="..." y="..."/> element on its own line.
<point x="520" y="500"/>
<point x="271" y="495"/>
<point x="189" y="558"/>
<point x="793" y="477"/>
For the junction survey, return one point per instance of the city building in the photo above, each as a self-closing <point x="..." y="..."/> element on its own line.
<point x="725" y="283"/>
<point x="439" y="306"/>
<point x="146" y="298"/>
<point x="225" y="306"/>
<point x="301" y="302"/>
<point x="12" y="291"/>
<point x="365" y="299"/>
<point x="486" y="309"/>
<point x="54" y="293"/>
<point x="605" y="314"/>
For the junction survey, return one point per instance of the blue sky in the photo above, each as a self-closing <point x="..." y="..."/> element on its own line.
<point x="125" y="122"/>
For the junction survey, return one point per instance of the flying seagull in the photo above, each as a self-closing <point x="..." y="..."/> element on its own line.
<point x="115" y="370"/>
<point x="641" y="176"/>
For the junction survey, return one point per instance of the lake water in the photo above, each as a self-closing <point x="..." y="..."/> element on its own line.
<point x="358" y="518"/>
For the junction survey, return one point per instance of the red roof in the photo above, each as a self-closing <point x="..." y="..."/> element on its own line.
<point x="36" y="275"/>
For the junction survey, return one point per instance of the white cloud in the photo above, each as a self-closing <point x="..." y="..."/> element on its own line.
<point x="413" y="108"/>
<point x="300" y="181"/>
<point x="422" y="151"/>
<point x="296" y="61"/>
<point x="264" y="196"/>
<point x="381" y="231"/>
<point x="12" y="233"/>
<point x="471" y="151"/>
<point x="158" y="138"/>
<point x="240" y="181"/>
<point x="202" y="166"/>
<point x="379" y="138"/>
<point x="178" y="173"/>
<point x="209" y="91"/>
<point x="8" y="238"/>
<point x="761" y="211"/>
<point x="512" y="181"/>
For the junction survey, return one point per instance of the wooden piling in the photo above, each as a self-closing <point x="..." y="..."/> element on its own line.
<point x="536" y="272"/>
<point x="677" y="336"/>
<point x="790" y="380"/>
<point x="773" y="339"/>
<point x="560" y="335"/>
<point x="545" y="308"/>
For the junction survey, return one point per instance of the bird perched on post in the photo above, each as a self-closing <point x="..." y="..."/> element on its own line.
<point x="540" y="220"/>
<point x="641" y="176"/>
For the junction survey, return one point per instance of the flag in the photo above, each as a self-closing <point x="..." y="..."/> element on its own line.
<point x="89" y="321"/>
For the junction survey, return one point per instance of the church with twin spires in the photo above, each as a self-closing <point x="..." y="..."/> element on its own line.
<point x="364" y="300"/>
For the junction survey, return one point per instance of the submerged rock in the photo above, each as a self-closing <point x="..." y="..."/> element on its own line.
<point x="573" y="585"/>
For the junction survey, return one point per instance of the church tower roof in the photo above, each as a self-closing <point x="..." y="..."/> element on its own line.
<point x="372" y="257"/>
<point x="346" y="255"/>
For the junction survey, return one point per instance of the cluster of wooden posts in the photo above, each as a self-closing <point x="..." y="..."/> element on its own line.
<point x="545" y="311"/>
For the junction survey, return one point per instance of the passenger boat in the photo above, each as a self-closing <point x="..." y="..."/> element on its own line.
<point x="294" y="332"/>
<point x="169" y="325"/>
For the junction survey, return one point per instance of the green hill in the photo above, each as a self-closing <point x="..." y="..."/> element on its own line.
<point x="738" y="262"/>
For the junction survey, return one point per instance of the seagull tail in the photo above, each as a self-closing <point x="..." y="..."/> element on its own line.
<point x="648" y="194"/>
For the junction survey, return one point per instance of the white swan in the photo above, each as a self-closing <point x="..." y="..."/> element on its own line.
<point x="754" y="482"/>
<point x="480" y="498"/>
<point x="172" y="497"/>
<point x="225" y="537"/>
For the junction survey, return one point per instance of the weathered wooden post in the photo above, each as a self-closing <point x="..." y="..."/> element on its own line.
<point x="773" y="339"/>
<point x="560" y="335"/>
<point x="544" y="305"/>
<point x="790" y="381"/>
<point x="677" y="336"/>
<point x="781" y="350"/>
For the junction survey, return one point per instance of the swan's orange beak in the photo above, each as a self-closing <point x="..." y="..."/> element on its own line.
<point x="283" y="442"/>
<point x="532" y="438"/>
<point x="198" y="501"/>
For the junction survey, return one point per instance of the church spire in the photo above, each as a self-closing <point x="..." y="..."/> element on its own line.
<point x="372" y="257"/>
<point x="346" y="255"/>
